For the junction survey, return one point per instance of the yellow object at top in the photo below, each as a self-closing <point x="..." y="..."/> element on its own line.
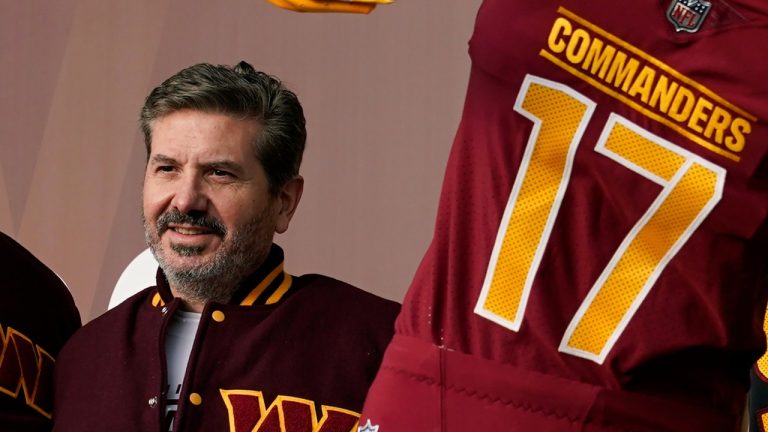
<point x="356" y="6"/>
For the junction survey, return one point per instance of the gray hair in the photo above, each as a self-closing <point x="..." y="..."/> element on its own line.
<point x="242" y="92"/>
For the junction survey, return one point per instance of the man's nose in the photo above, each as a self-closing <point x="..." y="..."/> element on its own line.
<point x="190" y="194"/>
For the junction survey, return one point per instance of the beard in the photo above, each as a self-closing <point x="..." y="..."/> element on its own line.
<point x="217" y="278"/>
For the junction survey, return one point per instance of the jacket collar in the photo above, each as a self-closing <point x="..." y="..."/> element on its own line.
<point x="267" y="285"/>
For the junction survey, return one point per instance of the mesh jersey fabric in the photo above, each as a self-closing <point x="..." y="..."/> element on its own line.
<point x="603" y="213"/>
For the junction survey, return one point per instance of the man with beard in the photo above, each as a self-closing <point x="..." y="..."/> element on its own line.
<point x="227" y="338"/>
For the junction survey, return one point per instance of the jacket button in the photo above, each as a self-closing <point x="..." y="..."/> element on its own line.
<point x="164" y="310"/>
<point x="218" y="316"/>
<point x="152" y="402"/>
<point x="196" y="399"/>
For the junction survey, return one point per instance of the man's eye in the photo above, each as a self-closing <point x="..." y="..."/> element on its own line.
<point x="165" y="168"/>
<point x="221" y="173"/>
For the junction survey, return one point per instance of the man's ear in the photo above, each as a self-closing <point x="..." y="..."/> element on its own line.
<point x="287" y="200"/>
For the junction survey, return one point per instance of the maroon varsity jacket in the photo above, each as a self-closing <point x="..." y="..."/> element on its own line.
<point x="286" y="354"/>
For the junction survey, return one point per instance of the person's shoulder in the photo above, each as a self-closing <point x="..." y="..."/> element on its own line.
<point x="18" y="261"/>
<point x="13" y="249"/>
<point x="350" y="300"/>
<point x="36" y="301"/>
<point x="360" y="317"/>
<point x="327" y="286"/>
<point x="112" y="324"/>
<point x="125" y="310"/>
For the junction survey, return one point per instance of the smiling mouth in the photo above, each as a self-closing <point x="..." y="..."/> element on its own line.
<point x="187" y="230"/>
<point x="193" y="224"/>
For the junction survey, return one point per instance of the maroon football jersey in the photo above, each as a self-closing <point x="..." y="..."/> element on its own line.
<point x="603" y="217"/>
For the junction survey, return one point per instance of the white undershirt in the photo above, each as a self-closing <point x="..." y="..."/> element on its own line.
<point x="178" y="346"/>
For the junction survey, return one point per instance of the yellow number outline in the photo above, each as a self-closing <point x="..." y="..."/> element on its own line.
<point x="691" y="187"/>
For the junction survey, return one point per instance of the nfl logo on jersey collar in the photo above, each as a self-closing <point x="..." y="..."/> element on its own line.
<point x="688" y="15"/>
<point x="368" y="427"/>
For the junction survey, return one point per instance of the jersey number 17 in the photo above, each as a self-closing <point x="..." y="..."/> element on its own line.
<point x="690" y="188"/>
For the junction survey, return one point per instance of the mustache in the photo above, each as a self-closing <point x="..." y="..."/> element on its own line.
<point x="198" y="219"/>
